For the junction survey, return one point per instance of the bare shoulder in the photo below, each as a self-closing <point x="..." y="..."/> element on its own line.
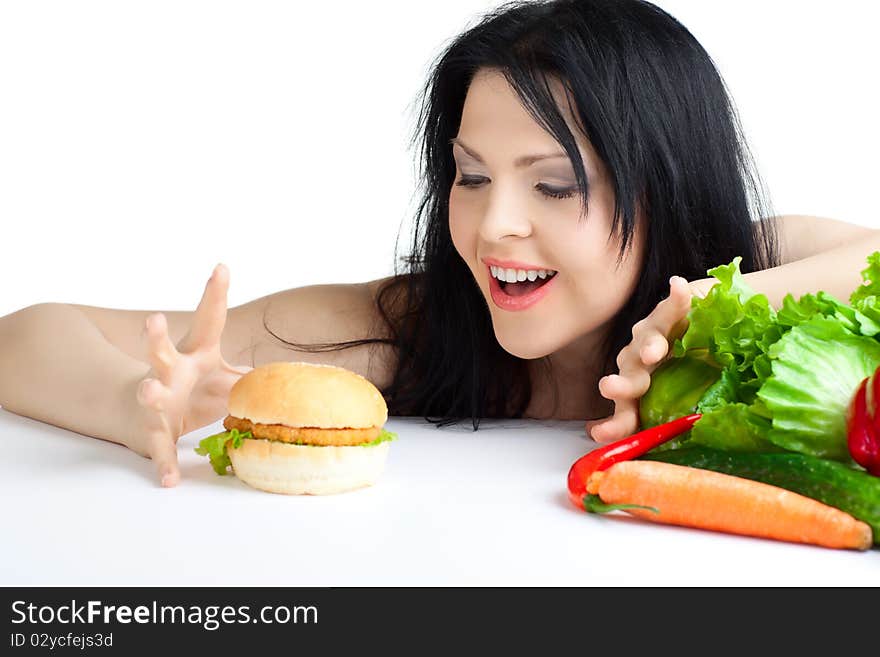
<point x="304" y="324"/>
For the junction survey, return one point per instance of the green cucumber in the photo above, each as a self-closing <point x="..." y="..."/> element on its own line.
<point x="833" y="483"/>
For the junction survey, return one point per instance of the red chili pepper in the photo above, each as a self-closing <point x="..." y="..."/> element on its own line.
<point x="862" y="424"/>
<point x="622" y="450"/>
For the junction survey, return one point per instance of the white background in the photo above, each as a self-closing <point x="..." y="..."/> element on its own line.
<point x="143" y="142"/>
<point x="451" y="509"/>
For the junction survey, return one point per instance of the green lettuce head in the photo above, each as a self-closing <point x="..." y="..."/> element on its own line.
<point x="768" y="380"/>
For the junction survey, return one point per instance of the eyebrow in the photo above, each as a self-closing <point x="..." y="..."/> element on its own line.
<point x="520" y="162"/>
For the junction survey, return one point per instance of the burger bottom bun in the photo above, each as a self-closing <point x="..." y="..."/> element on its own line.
<point x="278" y="467"/>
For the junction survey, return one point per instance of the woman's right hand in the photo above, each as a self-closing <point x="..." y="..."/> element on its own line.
<point x="187" y="386"/>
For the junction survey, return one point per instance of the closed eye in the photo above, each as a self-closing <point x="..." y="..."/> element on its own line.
<point x="546" y="190"/>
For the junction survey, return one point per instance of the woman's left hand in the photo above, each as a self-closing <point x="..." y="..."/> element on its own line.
<point x="650" y="345"/>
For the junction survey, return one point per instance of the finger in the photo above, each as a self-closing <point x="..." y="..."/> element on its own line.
<point x="624" y="422"/>
<point x="240" y="370"/>
<point x="161" y="350"/>
<point x="673" y="308"/>
<point x="164" y="453"/>
<point x="628" y="357"/>
<point x="654" y="348"/>
<point x="210" y="316"/>
<point x="152" y="394"/>
<point x="619" y="387"/>
<point x="589" y="424"/>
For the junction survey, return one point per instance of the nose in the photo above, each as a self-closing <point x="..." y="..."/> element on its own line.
<point x="504" y="215"/>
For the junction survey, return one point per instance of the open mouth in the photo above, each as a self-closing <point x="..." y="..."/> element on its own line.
<point x="511" y="284"/>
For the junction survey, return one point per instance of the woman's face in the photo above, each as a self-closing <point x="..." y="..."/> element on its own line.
<point x="505" y="217"/>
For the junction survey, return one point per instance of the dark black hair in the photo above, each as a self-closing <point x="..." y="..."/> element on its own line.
<point x="657" y="112"/>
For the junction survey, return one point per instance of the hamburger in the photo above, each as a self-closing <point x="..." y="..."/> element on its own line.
<point x="302" y="429"/>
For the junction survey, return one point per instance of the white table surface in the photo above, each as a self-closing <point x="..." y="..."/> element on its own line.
<point x="453" y="507"/>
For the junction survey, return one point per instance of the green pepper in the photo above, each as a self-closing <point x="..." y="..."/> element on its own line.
<point x="676" y="388"/>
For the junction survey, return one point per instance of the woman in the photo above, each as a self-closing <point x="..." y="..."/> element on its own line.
<point x="583" y="168"/>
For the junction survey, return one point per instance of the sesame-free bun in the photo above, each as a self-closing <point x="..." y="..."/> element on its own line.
<point x="330" y="409"/>
<point x="278" y="467"/>
<point x="307" y="395"/>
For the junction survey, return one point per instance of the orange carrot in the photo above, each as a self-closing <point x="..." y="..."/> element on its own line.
<point x="711" y="500"/>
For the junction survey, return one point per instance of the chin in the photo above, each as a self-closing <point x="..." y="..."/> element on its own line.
<point x="526" y="348"/>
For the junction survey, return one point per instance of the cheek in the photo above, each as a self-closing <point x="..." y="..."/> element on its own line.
<point x="580" y="247"/>
<point x="596" y="281"/>
<point x="463" y="238"/>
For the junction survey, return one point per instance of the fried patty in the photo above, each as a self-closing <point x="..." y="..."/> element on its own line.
<point x="307" y="435"/>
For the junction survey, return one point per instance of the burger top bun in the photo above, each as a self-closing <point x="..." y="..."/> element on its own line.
<point x="307" y="395"/>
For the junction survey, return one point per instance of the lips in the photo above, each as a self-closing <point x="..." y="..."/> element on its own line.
<point x="526" y="297"/>
<point x="513" y="264"/>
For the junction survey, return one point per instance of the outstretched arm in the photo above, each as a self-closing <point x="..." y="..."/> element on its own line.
<point x="817" y="254"/>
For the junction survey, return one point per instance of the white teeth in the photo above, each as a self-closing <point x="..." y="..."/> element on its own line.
<point x="520" y="275"/>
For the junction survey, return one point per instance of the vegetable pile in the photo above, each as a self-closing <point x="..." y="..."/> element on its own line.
<point x="768" y="381"/>
<point x="787" y="398"/>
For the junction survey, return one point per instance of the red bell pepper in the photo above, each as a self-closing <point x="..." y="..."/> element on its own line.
<point x="622" y="450"/>
<point x="863" y="424"/>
